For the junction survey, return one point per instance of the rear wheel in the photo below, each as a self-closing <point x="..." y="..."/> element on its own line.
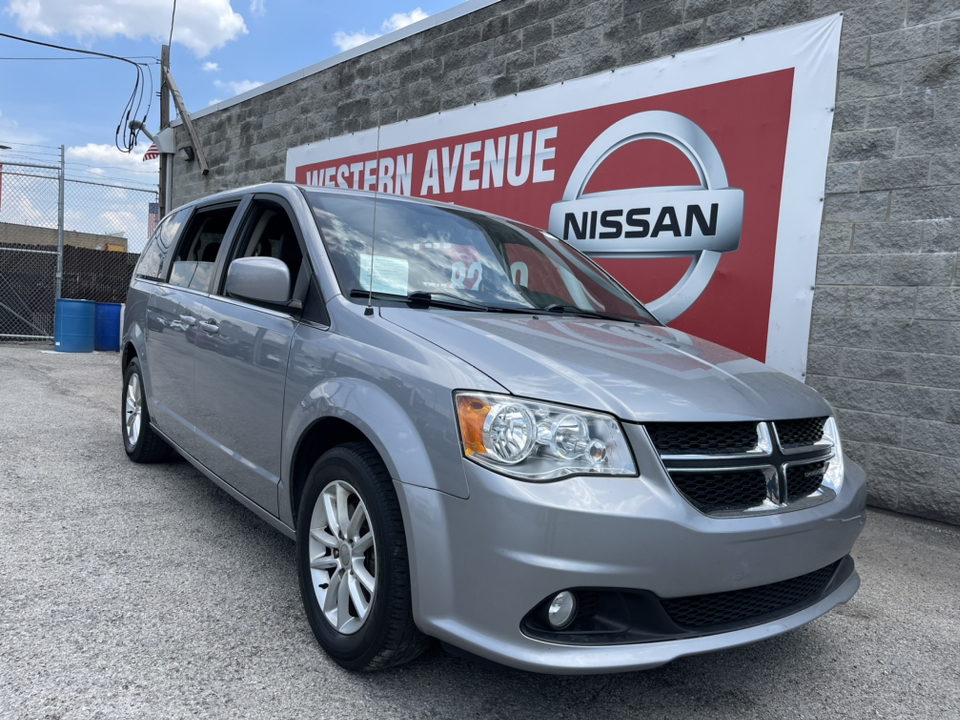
<point x="352" y="562"/>
<point x="142" y="444"/>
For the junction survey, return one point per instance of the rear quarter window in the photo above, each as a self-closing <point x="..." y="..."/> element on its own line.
<point x="155" y="259"/>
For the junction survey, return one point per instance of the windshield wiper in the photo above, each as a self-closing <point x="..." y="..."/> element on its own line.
<point x="424" y="298"/>
<point x="574" y="310"/>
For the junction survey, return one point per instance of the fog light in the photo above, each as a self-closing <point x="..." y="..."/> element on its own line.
<point x="562" y="610"/>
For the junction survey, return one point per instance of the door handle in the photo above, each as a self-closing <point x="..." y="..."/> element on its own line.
<point x="209" y="327"/>
<point x="189" y="320"/>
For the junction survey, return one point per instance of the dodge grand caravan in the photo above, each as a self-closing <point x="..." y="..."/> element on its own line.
<point x="474" y="434"/>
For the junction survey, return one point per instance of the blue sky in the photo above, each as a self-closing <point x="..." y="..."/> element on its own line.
<point x="220" y="48"/>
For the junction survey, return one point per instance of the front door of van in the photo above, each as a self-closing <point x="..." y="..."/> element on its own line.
<point x="241" y="364"/>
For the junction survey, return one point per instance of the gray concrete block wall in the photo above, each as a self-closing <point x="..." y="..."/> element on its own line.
<point x="885" y="336"/>
<point x="886" y="325"/>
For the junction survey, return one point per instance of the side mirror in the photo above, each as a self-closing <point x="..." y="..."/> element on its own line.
<point x="263" y="279"/>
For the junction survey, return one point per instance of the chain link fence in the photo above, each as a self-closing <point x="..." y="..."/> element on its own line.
<point x="104" y="229"/>
<point x="29" y="202"/>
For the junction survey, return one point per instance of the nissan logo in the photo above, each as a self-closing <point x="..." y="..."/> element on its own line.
<point x="657" y="222"/>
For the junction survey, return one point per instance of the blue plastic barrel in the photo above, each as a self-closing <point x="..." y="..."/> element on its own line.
<point x="107" y="331"/>
<point x="73" y="325"/>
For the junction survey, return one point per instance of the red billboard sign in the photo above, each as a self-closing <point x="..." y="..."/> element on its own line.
<point x="682" y="195"/>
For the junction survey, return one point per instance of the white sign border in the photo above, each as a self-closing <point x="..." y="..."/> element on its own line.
<point x="811" y="49"/>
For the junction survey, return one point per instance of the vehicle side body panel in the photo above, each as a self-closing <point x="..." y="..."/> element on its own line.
<point x="241" y="365"/>
<point x="172" y="315"/>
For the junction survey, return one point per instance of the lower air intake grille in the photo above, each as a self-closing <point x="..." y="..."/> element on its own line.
<point x="804" y="479"/>
<point x="703" y="438"/>
<point x="703" y="611"/>
<point x="800" y="433"/>
<point x="713" y="491"/>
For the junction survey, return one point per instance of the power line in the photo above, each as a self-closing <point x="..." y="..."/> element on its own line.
<point x="133" y="104"/>
<point x="34" y="57"/>
<point x="70" y="49"/>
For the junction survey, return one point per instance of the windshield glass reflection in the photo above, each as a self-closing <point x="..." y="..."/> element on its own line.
<point x="453" y="252"/>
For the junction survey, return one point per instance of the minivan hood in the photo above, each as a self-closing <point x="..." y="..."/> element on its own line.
<point x="640" y="373"/>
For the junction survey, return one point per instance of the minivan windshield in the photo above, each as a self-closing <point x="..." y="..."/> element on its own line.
<point x="461" y="259"/>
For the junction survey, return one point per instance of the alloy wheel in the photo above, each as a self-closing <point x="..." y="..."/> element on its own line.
<point x="343" y="557"/>
<point x="134" y="409"/>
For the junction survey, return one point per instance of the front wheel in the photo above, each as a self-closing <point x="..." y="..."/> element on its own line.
<point x="352" y="562"/>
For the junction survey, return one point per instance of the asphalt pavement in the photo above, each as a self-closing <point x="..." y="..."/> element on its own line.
<point x="132" y="591"/>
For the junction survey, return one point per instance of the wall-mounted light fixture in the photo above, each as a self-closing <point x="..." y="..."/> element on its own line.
<point x="186" y="153"/>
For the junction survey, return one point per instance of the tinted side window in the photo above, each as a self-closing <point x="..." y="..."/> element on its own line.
<point x="196" y="254"/>
<point x="155" y="258"/>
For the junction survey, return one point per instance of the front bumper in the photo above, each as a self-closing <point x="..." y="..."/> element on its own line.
<point x="481" y="564"/>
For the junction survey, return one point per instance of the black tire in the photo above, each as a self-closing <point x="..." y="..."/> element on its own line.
<point x="387" y="635"/>
<point x="147" y="447"/>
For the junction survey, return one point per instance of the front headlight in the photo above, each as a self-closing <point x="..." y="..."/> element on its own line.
<point x="538" y="441"/>
<point x="834" y="476"/>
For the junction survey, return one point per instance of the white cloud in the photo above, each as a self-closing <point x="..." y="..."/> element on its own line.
<point x="401" y="20"/>
<point x="237" y="87"/>
<point x="258" y="7"/>
<point x="211" y="67"/>
<point x="345" y="41"/>
<point x="201" y="25"/>
<point x="107" y="156"/>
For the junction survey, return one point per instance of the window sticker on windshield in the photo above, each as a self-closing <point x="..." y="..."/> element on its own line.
<point x="389" y="274"/>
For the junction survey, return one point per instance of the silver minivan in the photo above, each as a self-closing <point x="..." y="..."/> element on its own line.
<point x="474" y="434"/>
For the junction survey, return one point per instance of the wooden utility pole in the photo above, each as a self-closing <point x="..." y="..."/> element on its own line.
<point x="164" y="124"/>
<point x="188" y="123"/>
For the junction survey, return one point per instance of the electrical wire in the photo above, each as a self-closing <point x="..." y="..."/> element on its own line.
<point x="34" y="57"/>
<point x="133" y="104"/>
